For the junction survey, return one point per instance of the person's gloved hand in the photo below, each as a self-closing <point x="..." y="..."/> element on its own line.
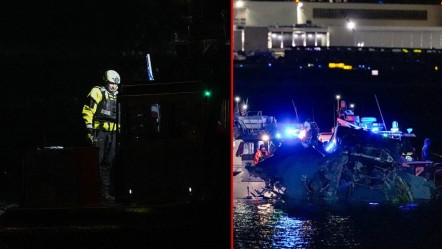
<point x="90" y="137"/>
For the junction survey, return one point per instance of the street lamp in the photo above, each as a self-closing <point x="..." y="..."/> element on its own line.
<point x="338" y="97"/>
<point x="237" y="99"/>
<point x="244" y="110"/>
<point x="351" y="25"/>
<point x="239" y="4"/>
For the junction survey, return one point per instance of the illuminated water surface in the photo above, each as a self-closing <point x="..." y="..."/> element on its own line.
<point x="275" y="224"/>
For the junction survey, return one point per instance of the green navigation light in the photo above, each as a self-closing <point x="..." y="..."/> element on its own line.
<point x="207" y="93"/>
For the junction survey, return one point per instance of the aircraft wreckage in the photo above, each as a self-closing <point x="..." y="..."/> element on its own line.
<point x="356" y="164"/>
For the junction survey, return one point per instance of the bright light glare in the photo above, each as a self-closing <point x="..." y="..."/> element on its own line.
<point x="330" y="146"/>
<point x="302" y="134"/>
<point x="237" y="99"/>
<point x="239" y="4"/>
<point x="265" y="137"/>
<point x="291" y="131"/>
<point x="351" y="25"/>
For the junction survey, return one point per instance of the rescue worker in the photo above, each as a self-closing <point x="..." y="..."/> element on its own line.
<point x="343" y="111"/>
<point x="99" y="114"/>
<point x="261" y="154"/>
<point x="426" y="150"/>
<point x="312" y="132"/>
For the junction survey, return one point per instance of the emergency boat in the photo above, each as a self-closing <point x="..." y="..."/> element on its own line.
<point x="252" y="129"/>
<point x="360" y="161"/>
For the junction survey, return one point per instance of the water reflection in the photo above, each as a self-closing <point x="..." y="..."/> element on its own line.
<point x="269" y="224"/>
<point x="258" y="224"/>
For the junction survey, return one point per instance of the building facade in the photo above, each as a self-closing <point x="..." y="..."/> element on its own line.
<point x="278" y="26"/>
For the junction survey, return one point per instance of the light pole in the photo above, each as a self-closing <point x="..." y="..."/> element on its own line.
<point x="351" y="26"/>
<point x="338" y="97"/>
<point x="244" y="107"/>
<point x="239" y="4"/>
<point x="237" y="99"/>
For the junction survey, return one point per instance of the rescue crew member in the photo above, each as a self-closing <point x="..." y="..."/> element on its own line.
<point x="261" y="154"/>
<point x="343" y="111"/>
<point x="426" y="150"/>
<point x="312" y="132"/>
<point x="99" y="114"/>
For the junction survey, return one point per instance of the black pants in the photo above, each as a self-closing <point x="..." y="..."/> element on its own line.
<point x="107" y="146"/>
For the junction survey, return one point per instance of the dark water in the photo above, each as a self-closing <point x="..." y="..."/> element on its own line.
<point x="166" y="226"/>
<point x="269" y="224"/>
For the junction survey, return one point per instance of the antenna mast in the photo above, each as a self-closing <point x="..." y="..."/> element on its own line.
<point x="379" y="107"/>
<point x="296" y="112"/>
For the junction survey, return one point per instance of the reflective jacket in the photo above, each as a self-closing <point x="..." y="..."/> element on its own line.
<point x="259" y="156"/>
<point x="100" y="111"/>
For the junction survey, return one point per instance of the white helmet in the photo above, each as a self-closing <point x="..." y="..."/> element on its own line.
<point x="111" y="76"/>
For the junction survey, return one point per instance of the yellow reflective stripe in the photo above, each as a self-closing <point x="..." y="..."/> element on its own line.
<point x="107" y="126"/>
